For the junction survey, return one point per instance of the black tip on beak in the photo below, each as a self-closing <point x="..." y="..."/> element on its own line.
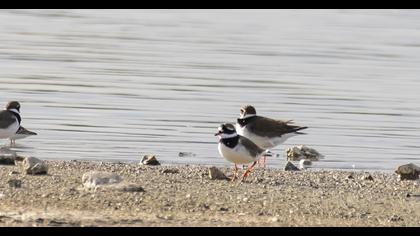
<point x="218" y="133"/>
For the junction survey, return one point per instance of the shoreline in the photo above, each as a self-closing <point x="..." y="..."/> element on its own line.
<point x="184" y="195"/>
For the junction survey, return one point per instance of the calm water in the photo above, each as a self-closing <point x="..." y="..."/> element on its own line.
<point x="116" y="84"/>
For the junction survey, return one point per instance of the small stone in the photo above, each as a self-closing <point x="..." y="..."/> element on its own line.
<point x="186" y="154"/>
<point x="34" y="166"/>
<point x="395" y="218"/>
<point x="223" y="209"/>
<point x="274" y="219"/>
<point x="168" y="217"/>
<point x="170" y="171"/>
<point x="215" y="173"/>
<point x="350" y="176"/>
<point x="150" y="160"/>
<point x="367" y="177"/>
<point x="129" y="187"/>
<point x="93" y="179"/>
<point x="290" y="167"/>
<point x="7" y="157"/>
<point x="408" y="172"/>
<point x="304" y="163"/>
<point x="13" y="172"/>
<point x="15" y="183"/>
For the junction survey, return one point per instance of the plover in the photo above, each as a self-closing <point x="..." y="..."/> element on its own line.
<point x="10" y="120"/>
<point x="265" y="132"/>
<point x="21" y="134"/>
<point x="237" y="149"/>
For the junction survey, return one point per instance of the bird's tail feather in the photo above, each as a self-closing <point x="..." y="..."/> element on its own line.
<point x="300" y="128"/>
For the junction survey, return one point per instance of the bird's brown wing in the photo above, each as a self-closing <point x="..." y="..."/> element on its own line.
<point x="6" y="119"/>
<point x="267" y="127"/>
<point x="252" y="148"/>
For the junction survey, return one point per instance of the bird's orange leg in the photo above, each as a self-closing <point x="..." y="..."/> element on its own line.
<point x="235" y="173"/>
<point x="248" y="170"/>
<point x="262" y="162"/>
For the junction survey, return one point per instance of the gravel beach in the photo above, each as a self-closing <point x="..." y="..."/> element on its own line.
<point x="186" y="196"/>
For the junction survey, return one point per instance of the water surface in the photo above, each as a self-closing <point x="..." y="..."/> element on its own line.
<point x="113" y="85"/>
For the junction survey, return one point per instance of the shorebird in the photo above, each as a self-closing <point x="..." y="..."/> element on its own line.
<point x="265" y="132"/>
<point x="237" y="149"/>
<point x="20" y="134"/>
<point x="10" y="120"/>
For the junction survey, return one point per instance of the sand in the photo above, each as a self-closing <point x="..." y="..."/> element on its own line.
<point x="184" y="195"/>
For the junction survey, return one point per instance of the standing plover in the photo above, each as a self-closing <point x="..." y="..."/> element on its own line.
<point x="21" y="134"/>
<point x="265" y="132"/>
<point x="237" y="149"/>
<point x="10" y="120"/>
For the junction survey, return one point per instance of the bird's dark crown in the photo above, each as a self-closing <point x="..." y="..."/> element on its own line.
<point x="13" y="105"/>
<point x="227" y="128"/>
<point x="248" y="110"/>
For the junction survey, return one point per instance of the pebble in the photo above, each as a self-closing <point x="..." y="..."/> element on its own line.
<point x="408" y="172"/>
<point x="7" y="158"/>
<point x="93" y="179"/>
<point x="34" y="166"/>
<point x="15" y="183"/>
<point x="395" y="218"/>
<point x="367" y="177"/>
<point x="216" y="174"/>
<point x="186" y="154"/>
<point x="304" y="163"/>
<point x="170" y="171"/>
<point x="290" y="167"/>
<point x="128" y="187"/>
<point x="150" y="160"/>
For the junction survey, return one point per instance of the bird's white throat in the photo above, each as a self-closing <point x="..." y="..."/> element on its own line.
<point x="14" y="110"/>
<point x="247" y="116"/>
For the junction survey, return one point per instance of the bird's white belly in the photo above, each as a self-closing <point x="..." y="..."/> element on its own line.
<point x="236" y="155"/>
<point x="9" y="131"/>
<point x="261" y="141"/>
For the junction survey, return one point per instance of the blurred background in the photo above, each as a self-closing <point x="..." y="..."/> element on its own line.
<point x="112" y="85"/>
